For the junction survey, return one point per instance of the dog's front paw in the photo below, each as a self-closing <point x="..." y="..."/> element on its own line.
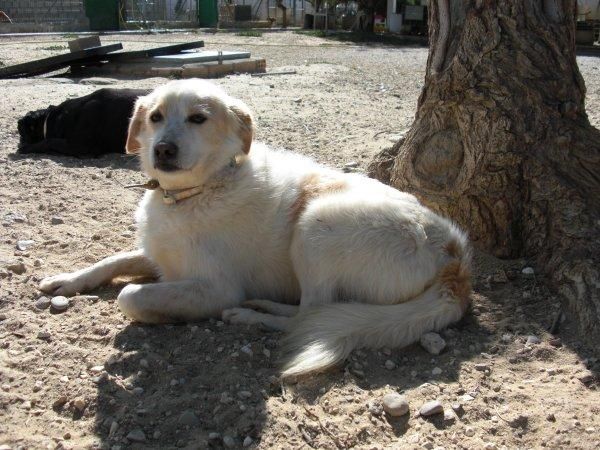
<point x="240" y="316"/>
<point x="63" y="284"/>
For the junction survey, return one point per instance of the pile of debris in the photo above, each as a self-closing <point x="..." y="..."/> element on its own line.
<point x="88" y="57"/>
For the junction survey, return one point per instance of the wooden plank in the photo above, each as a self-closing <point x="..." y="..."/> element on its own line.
<point x="53" y="63"/>
<point x="159" y="51"/>
<point x="203" y="56"/>
<point x="84" y="43"/>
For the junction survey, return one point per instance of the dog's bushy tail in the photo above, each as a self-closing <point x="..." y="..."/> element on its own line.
<point x="324" y="336"/>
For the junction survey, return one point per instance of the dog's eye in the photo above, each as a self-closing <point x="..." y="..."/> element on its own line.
<point x="197" y="118"/>
<point x="156" y="117"/>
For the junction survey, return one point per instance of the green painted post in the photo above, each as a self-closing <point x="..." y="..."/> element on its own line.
<point x="208" y="15"/>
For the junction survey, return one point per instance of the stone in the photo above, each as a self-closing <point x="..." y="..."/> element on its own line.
<point x="490" y="446"/>
<point x="138" y="390"/>
<point x="247" y="441"/>
<point x="533" y="340"/>
<point x="17" y="267"/>
<point x="433" y="343"/>
<point x="586" y="377"/>
<point x="42" y="303"/>
<point x="351" y="164"/>
<point x="97" y="81"/>
<point x="482" y="367"/>
<point x="79" y="404"/>
<point x="136" y="435"/>
<point x="39" y="384"/>
<point x="436" y="371"/>
<point x="431" y="408"/>
<point x="228" y="442"/>
<point x="60" y="402"/>
<point x="24" y="244"/>
<point x="44" y="335"/>
<point x="390" y="365"/>
<point x="114" y="426"/>
<point x="395" y="404"/>
<point x="56" y="220"/>
<point x="469" y="431"/>
<point x="38" y="262"/>
<point x="528" y="271"/>
<point x="247" y="350"/>
<point x="59" y="303"/>
<point x="188" y="418"/>
<point x="449" y="416"/>
<point x="500" y="277"/>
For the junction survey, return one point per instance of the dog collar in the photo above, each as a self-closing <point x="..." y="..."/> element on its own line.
<point x="171" y="197"/>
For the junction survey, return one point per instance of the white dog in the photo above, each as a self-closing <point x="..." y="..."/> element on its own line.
<point x="231" y="227"/>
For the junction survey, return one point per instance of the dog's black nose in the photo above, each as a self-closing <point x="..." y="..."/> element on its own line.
<point x="165" y="151"/>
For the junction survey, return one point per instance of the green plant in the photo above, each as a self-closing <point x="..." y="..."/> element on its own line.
<point x="315" y="33"/>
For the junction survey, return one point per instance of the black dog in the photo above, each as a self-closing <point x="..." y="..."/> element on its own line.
<point x="88" y="126"/>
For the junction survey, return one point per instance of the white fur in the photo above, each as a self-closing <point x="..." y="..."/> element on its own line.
<point x="376" y="250"/>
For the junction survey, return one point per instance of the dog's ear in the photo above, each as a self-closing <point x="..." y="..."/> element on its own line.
<point x="136" y="124"/>
<point x="246" y="124"/>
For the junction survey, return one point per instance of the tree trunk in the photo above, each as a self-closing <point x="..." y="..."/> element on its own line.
<point x="501" y="142"/>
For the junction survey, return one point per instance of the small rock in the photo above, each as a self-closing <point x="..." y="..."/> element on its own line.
<point x="228" y="441"/>
<point x="297" y="100"/>
<point x="555" y="342"/>
<point x="351" y="164"/>
<point x="60" y="402"/>
<point x="96" y="369"/>
<point x="433" y="343"/>
<point x="506" y="338"/>
<point x="24" y="244"/>
<point x="138" y="390"/>
<point x="490" y="446"/>
<point x="395" y="404"/>
<point x="59" y="303"/>
<point x="449" y="416"/>
<point x="482" y="367"/>
<point x="97" y="80"/>
<point x="38" y="262"/>
<point x="156" y="434"/>
<point x="533" y="340"/>
<point x="136" y="435"/>
<point x="390" y="365"/>
<point x="551" y="418"/>
<point x="144" y="363"/>
<point x="247" y="441"/>
<point x="44" y="335"/>
<point x="17" y="267"/>
<point x="42" y="303"/>
<point x="500" y="277"/>
<point x="79" y="404"/>
<point x="56" y="220"/>
<point x="528" y="271"/>
<point x="188" y="418"/>
<point x="431" y="408"/>
<point x="586" y="377"/>
<point x="114" y="426"/>
<point x="436" y="371"/>
<point x="39" y="384"/>
<point x="457" y="408"/>
<point x="469" y="431"/>
<point x="213" y="436"/>
<point x="244" y="394"/>
<point x="247" y="350"/>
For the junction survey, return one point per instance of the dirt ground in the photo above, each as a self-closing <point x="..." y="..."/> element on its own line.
<point x="89" y="378"/>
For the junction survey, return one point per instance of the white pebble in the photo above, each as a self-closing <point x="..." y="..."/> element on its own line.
<point x="60" y="303"/>
<point x="436" y="371"/>
<point x="532" y="340"/>
<point x="528" y="271"/>
<point x="395" y="404"/>
<point x="431" y="408"/>
<point x="247" y="441"/>
<point x="433" y="343"/>
<point x="469" y="431"/>
<point x="390" y="365"/>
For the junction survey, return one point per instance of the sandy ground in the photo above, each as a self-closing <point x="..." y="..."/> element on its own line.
<point x="88" y="378"/>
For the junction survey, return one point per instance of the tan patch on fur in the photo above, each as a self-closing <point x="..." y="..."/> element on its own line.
<point x="453" y="249"/>
<point x="312" y="186"/>
<point x="246" y="127"/>
<point x="133" y="144"/>
<point x="456" y="278"/>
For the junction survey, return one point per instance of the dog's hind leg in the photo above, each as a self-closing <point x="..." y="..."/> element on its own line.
<point x="131" y="264"/>
<point x="250" y="317"/>
<point x="179" y="301"/>
<point x="267" y="306"/>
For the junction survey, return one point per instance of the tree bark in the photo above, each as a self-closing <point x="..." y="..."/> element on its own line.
<point x="501" y="142"/>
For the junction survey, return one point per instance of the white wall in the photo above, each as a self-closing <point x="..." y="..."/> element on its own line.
<point x="394" y="21"/>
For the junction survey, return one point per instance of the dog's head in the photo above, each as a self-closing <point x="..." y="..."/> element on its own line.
<point x="31" y="127"/>
<point x="186" y="131"/>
